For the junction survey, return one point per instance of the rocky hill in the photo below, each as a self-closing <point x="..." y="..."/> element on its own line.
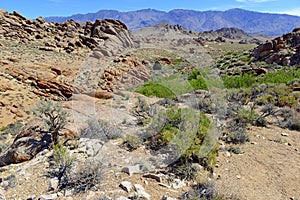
<point x="249" y="21"/>
<point x="108" y="36"/>
<point x="284" y="50"/>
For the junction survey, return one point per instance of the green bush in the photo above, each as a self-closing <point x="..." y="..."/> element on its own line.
<point x="198" y="147"/>
<point x="248" y="79"/>
<point x="156" y="90"/>
<point x="197" y="81"/>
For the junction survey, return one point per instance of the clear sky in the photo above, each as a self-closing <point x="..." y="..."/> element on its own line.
<point x="35" y="8"/>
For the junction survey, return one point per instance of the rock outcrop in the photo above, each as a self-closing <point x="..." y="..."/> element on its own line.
<point x="284" y="50"/>
<point x="107" y="36"/>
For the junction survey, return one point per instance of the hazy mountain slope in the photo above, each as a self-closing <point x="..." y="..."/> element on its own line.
<point x="250" y="21"/>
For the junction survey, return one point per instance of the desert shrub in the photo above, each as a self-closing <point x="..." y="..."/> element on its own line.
<point x="197" y="81"/>
<point x="234" y="149"/>
<point x="246" y="116"/>
<point x="131" y="142"/>
<point x="238" y="137"/>
<point x="155" y="89"/>
<point x="186" y="171"/>
<point x="53" y="115"/>
<point x="71" y="175"/>
<point x="86" y="176"/>
<point x="62" y="161"/>
<point x="203" y="191"/>
<point x="290" y="119"/>
<point x="99" y="129"/>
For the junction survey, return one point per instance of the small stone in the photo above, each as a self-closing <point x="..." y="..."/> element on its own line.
<point x="153" y="176"/>
<point x="54" y="182"/>
<point x="125" y="185"/>
<point x="285" y="134"/>
<point x="228" y="154"/>
<point x="238" y="176"/>
<point x="48" y="196"/>
<point x="254" y="143"/>
<point x="132" y="170"/>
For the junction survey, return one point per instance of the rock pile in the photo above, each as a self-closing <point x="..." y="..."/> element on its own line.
<point x="284" y="50"/>
<point x="108" y="36"/>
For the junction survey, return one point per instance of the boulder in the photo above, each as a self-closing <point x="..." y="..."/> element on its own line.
<point x="30" y="141"/>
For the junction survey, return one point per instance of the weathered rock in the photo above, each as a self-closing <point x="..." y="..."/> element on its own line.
<point x="132" y="170"/>
<point x="30" y="141"/>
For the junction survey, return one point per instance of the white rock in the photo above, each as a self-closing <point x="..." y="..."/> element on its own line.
<point x="285" y="134"/>
<point x="125" y="185"/>
<point x="228" y="154"/>
<point x="54" y="183"/>
<point x="132" y="170"/>
<point x="48" y="196"/>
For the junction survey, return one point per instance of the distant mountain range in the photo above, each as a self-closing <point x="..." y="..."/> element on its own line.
<point x="249" y="21"/>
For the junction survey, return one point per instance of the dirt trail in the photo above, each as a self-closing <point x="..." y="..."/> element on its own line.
<point x="268" y="169"/>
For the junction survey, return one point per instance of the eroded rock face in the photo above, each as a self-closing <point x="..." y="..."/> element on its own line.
<point x="30" y="141"/>
<point x="284" y="50"/>
<point x="107" y="36"/>
<point x="130" y="72"/>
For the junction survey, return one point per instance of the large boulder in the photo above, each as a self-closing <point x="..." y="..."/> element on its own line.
<point x="30" y="141"/>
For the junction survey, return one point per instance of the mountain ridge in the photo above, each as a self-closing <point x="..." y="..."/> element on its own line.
<point x="251" y="22"/>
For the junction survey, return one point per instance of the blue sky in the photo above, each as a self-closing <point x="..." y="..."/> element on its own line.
<point x="35" y="8"/>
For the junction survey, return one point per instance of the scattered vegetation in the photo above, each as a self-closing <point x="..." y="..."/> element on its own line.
<point x="249" y="79"/>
